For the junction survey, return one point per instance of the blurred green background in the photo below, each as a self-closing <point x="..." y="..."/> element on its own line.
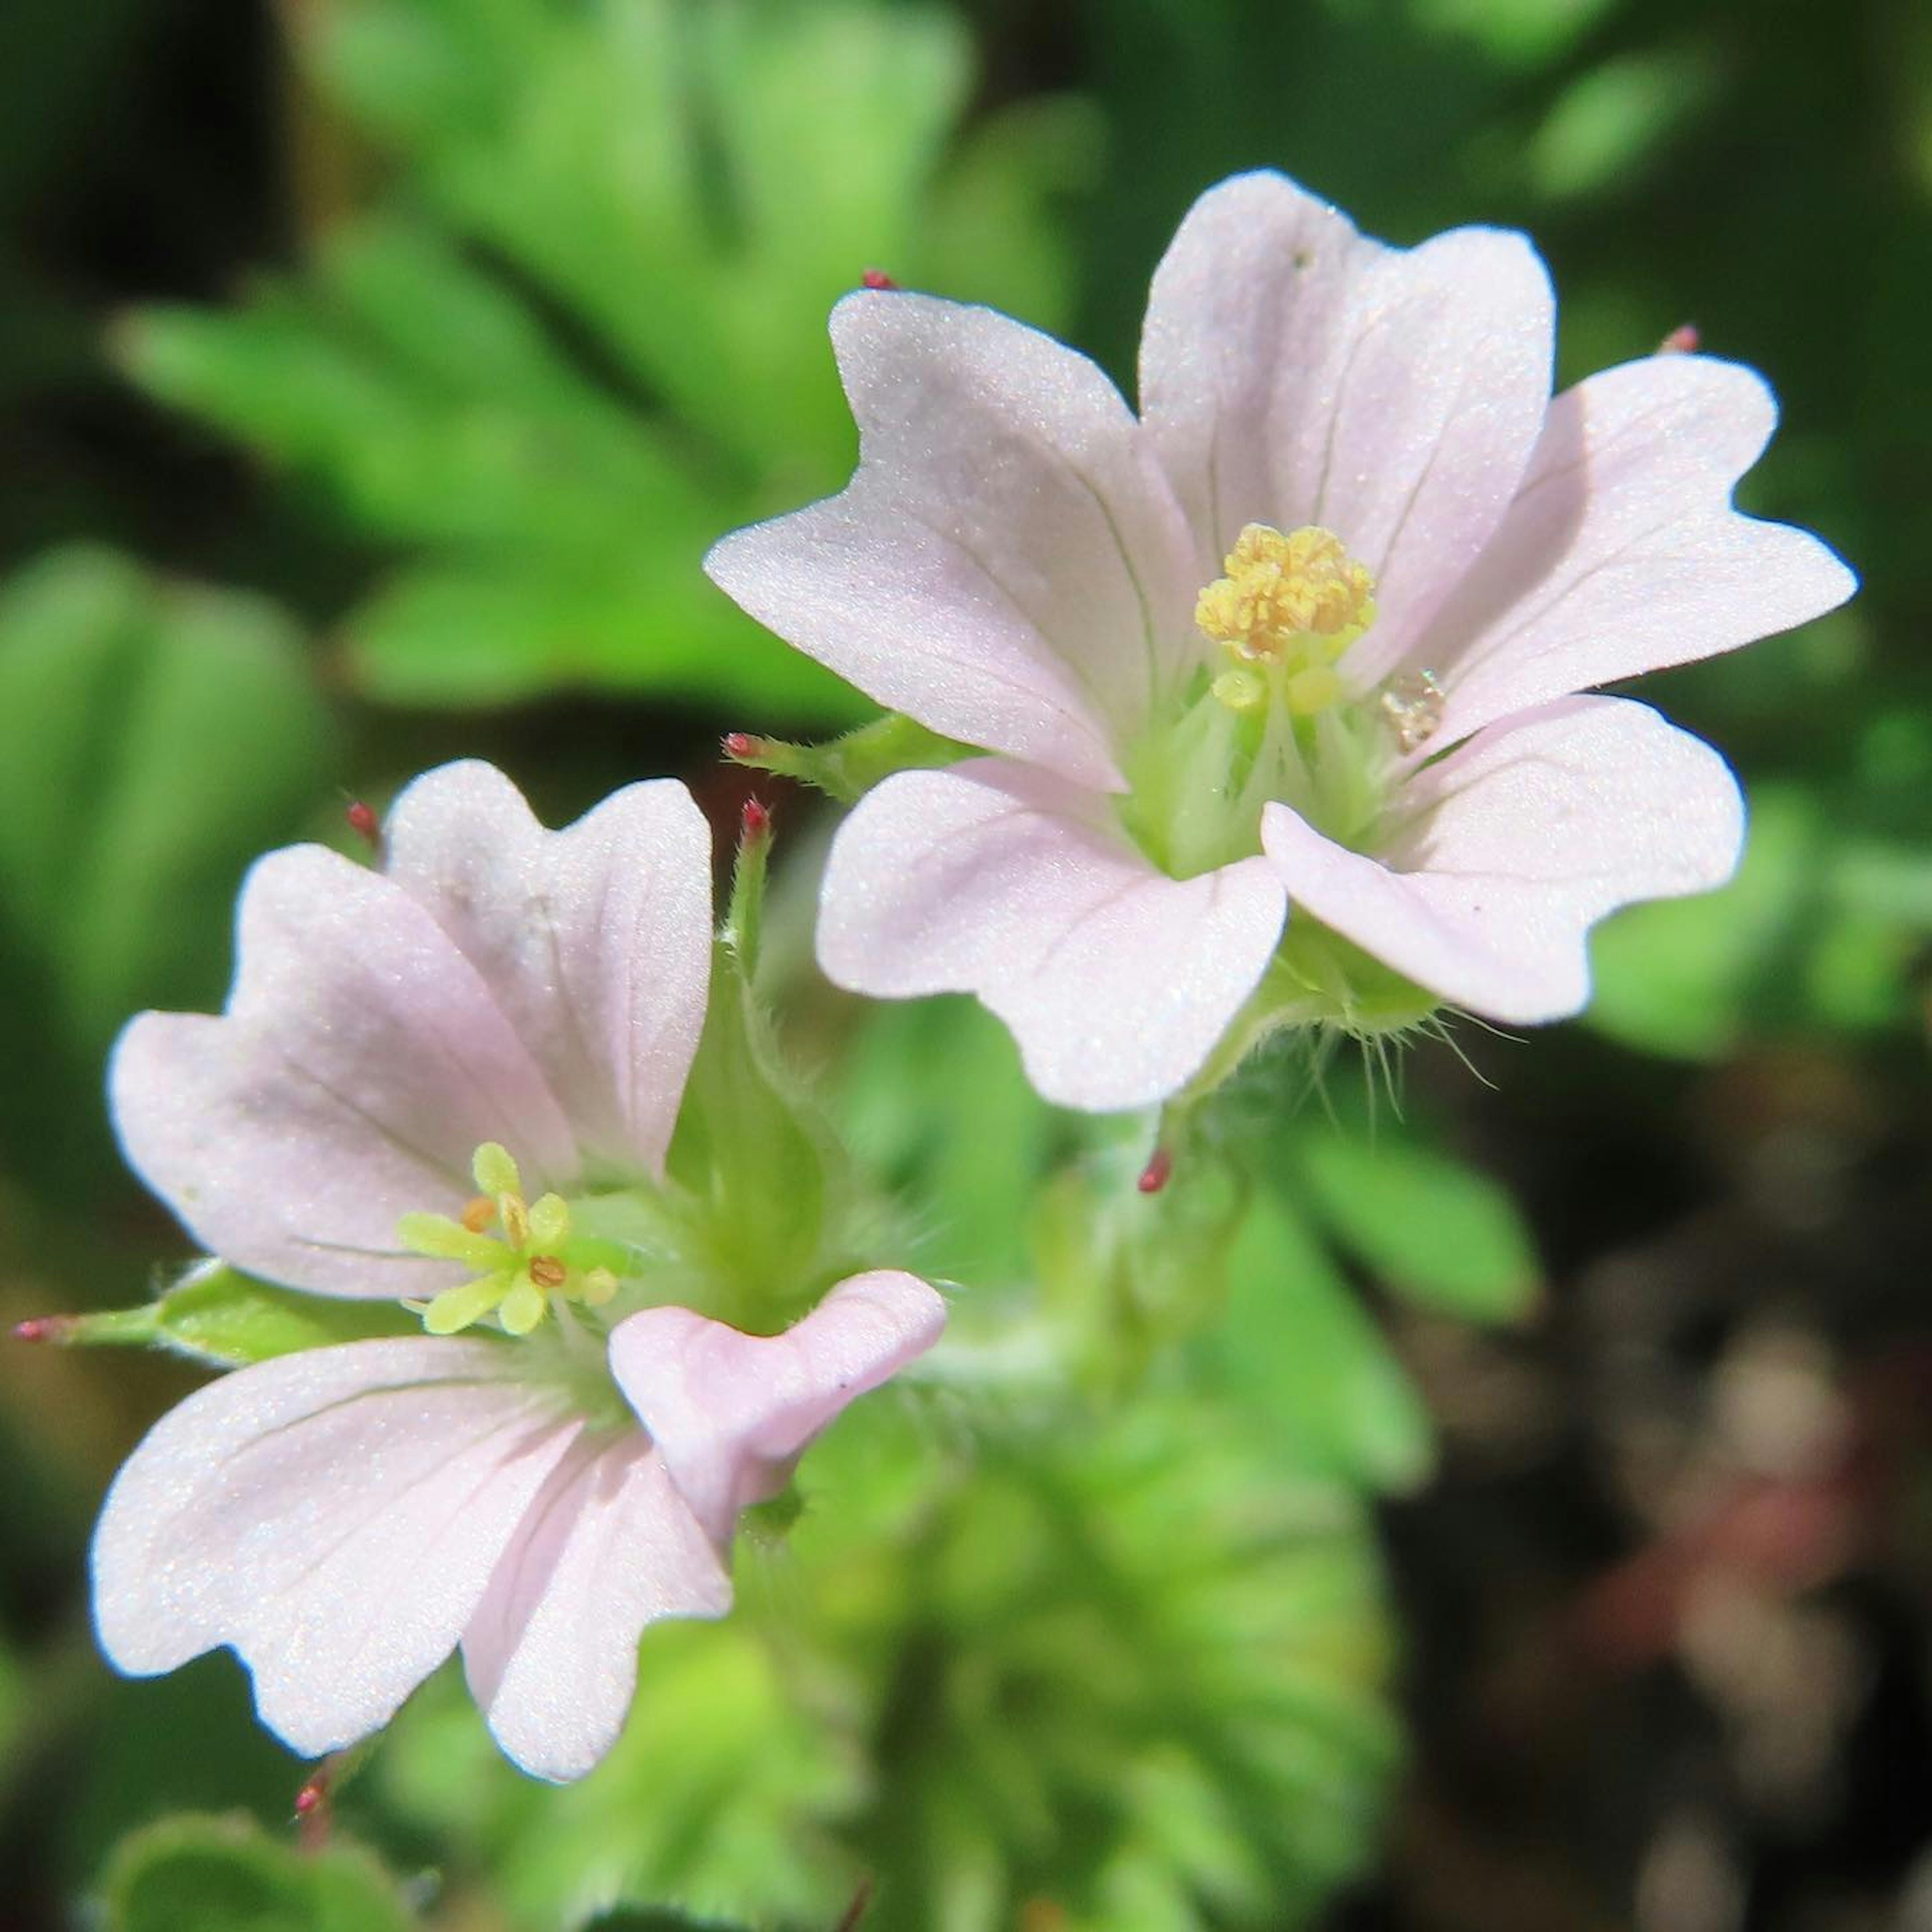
<point x="1510" y="1513"/>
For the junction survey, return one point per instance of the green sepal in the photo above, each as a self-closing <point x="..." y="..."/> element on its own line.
<point x="227" y="1874"/>
<point x="216" y="1315"/>
<point x="849" y="767"/>
<point x="767" y="1188"/>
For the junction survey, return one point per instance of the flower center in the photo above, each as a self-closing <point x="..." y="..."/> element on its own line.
<point x="519" y="1272"/>
<point x="1273" y="719"/>
<point x="1288" y="608"/>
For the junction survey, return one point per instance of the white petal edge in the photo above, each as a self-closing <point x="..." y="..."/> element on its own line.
<point x="607" y="1546"/>
<point x="333" y="1516"/>
<point x="594" y="940"/>
<point x="1007" y="565"/>
<point x="1519" y="840"/>
<point x="361" y="1062"/>
<point x="731" y="1413"/>
<point x="1621" y="552"/>
<point x="1294" y="372"/>
<point x="988" y="878"/>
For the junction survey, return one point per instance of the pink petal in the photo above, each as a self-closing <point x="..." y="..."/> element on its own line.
<point x="1116" y="980"/>
<point x="360" y="1064"/>
<point x="731" y="1413"/>
<point x="595" y="941"/>
<point x="1515" y="844"/>
<point x="1621" y="552"/>
<point x="607" y="1546"/>
<point x="1294" y="372"/>
<point x="1007" y="565"/>
<point x="334" y="1516"/>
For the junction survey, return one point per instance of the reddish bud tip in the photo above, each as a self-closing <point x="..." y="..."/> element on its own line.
<point x="755" y="822"/>
<point x="1682" y="340"/>
<point x="742" y="746"/>
<point x="41" y="1328"/>
<point x="877" y="278"/>
<point x="363" y="823"/>
<point x="312" y="1810"/>
<point x="1153" y="1176"/>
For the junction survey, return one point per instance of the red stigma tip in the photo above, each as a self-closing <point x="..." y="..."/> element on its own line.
<point x="1153" y="1176"/>
<point x="43" y="1328"/>
<point x="755" y="821"/>
<point x="363" y="821"/>
<point x="307" y="1799"/>
<point x="877" y="278"/>
<point x="742" y="745"/>
<point x="1682" y="340"/>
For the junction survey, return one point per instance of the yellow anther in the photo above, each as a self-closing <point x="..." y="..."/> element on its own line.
<point x="1298" y="600"/>
<point x="547" y="1271"/>
<point x="1279" y="588"/>
<point x="479" y="1214"/>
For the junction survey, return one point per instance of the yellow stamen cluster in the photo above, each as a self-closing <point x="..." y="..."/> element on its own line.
<point x="1293" y="602"/>
<point x="518" y="1270"/>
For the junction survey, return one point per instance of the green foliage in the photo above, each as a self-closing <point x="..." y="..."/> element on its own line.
<point x="653" y="1920"/>
<point x="1824" y="929"/>
<point x="934" y="1101"/>
<point x="154" y="736"/>
<point x="197" y="1873"/>
<point x="1426" y="1227"/>
<point x="585" y="335"/>
<point x="1296" y="1347"/>
<point x="1135" y="1671"/>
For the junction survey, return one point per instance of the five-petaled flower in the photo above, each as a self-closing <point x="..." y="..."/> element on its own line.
<point x="1300" y="644"/>
<point x="454" y="1082"/>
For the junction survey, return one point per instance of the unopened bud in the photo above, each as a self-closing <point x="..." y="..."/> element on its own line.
<point x="1154" y="1175"/>
<point x="363" y="823"/>
<point x="742" y="748"/>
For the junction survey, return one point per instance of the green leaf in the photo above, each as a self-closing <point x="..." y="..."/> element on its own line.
<point x="1617" y="120"/>
<point x="1435" y="1231"/>
<point x="1296" y="1346"/>
<point x="197" y="1873"/>
<point x="1134" y="1656"/>
<point x="218" y="1316"/>
<point x="586" y="335"/>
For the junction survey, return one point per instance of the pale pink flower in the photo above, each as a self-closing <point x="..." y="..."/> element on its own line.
<point x="1300" y="643"/>
<point x="501" y="1001"/>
